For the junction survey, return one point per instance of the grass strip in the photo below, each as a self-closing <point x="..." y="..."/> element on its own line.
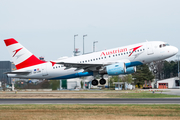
<point x="90" y="95"/>
<point x="83" y="111"/>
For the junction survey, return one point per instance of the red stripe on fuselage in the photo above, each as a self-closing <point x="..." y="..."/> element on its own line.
<point x="31" y="61"/>
<point x="10" y="41"/>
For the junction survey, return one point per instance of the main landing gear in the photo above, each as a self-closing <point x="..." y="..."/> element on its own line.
<point x="94" y="82"/>
<point x="101" y="81"/>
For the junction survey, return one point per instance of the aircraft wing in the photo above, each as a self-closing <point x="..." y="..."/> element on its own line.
<point x="87" y="66"/>
<point x="19" y="73"/>
<point x="79" y="66"/>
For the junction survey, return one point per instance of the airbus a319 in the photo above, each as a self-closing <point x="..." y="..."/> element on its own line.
<point x="116" y="61"/>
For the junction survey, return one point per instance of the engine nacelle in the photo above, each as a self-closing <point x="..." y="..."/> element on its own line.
<point x="116" y="69"/>
<point x="130" y="70"/>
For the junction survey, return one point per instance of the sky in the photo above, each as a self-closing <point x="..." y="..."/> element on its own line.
<point x="47" y="27"/>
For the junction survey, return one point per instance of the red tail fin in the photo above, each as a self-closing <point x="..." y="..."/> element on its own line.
<point x="22" y="58"/>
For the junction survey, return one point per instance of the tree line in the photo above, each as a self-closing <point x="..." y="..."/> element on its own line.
<point x="166" y="69"/>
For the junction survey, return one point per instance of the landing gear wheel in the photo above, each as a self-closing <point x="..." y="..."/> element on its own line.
<point x="94" y="82"/>
<point x="102" y="81"/>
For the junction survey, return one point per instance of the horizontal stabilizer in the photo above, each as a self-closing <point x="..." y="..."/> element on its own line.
<point x="18" y="73"/>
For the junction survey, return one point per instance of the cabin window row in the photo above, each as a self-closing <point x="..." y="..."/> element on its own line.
<point x="55" y="67"/>
<point x="110" y="56"/>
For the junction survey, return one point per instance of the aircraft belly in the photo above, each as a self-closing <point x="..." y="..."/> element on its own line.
<point x="70" y="74"/>
<point x="60" y="73"/>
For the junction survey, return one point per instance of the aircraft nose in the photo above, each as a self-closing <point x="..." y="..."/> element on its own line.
<point x="175" y="50"/>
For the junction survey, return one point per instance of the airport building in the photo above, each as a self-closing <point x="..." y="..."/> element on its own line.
<point x="70" y="84"/>
<point x="6" y="66"/>
<point x="172" y="83"/>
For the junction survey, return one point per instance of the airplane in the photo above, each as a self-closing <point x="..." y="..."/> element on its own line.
<point x="116" y="61"/>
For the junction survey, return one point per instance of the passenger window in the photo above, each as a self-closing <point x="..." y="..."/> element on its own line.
<point x="105" y="57"/>
<point x="121" y="53"/>
<point x="96" y="58"/>
<point x="53" y="67"/>
<point x="101" y="57"/>
<point x="113" y="55"/>
<point x="109" y="56"/>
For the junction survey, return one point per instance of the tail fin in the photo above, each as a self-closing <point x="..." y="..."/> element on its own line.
<point x="21" y="57"/>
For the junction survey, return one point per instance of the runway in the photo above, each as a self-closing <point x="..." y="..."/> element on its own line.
<point x="93" y="101"/>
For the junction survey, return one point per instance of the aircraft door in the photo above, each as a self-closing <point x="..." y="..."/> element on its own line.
<point x="149" y="49"/>
<point x="44" y="70"/>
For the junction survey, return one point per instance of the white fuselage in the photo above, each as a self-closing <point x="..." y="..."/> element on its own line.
<point x="137" y="54"/>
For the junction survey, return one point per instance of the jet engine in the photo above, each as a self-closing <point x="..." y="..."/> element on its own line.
<point x="114" y="69"/>
<point x="117" y="69"/>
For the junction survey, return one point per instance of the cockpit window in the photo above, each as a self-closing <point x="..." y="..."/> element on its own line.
<point x="163" y="45"/>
